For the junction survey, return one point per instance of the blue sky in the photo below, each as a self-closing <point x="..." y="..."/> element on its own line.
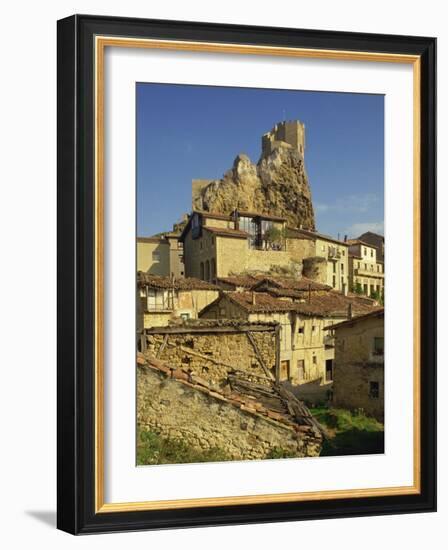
<point x="187" y="132"/>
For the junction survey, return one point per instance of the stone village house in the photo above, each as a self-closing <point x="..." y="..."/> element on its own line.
<point x="162" y="256"/>
<point x="366" y="270"/>
<point x="306" y="351"/>
<point x="206" y="383"/>
<point x="162" y="299"/>
<point x="217" y="246"/>
<point x="358" y="373"/>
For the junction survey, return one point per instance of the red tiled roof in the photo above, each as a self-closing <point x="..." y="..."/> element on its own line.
<point x="260" y="215"/>
<point x="212" y="215"/>
<point x="329" y="304"/>
<point x="376" y="313"/>
<point x="156" y="240"/>
<point x="289" y="283"/>
<point x="224" y="232"/>
<point x="316" y="235"/>
<point x="269" y="400"/>
<point x="188" y="283"/>
<point x="246" y="281"/>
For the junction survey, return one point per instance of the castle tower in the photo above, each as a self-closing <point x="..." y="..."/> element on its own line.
<point x="288" y="133"/>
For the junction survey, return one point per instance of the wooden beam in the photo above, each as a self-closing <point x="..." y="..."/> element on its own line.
<point x="210" y="329"/>
<point x="259" y="356"/>
<point x="162" y="347"/>
<point x="277" y="353"/>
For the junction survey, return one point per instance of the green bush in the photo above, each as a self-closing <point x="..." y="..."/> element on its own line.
<point x="351" y="432"/>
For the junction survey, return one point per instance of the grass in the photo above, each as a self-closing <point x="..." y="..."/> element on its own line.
<point x="350" y="433"/>
<point x="154" y="449"/>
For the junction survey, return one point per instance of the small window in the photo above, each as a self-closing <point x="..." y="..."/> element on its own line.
<point x="374" y="390"/>
<point x="314" y="360"/>
<point x="300" y="331"/>
<point x="371" y="253"/>
<point x="184" y="316"/>
<point x="378" y="345"/>
<point x="156" y="256"/>
<point x="314" y="328"/>
<point x="342" y="268"/>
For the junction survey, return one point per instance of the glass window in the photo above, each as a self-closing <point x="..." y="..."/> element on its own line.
<point x="378" y="345"/>
<point x="374" y="390"/>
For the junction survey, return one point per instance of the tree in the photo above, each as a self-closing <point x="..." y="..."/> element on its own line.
<point x="274" y="236"/>
<point x="357" y="288"/>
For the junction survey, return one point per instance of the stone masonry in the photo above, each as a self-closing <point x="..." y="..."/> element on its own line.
<point x="180" y="408"/>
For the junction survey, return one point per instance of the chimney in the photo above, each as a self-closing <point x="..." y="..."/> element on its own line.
<point x="350" y="312"/>
<point x="345" y="238"/>
<point x="253" y="298"/>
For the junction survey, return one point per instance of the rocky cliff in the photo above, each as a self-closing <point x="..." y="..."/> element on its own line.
<point x="277" y="185"/>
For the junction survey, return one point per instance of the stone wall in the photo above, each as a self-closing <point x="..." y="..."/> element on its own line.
<point x="315" y="268"/>
<point x="203" y="421"/>
<point x="213" y="355"/>
<point x="351" y="388"/>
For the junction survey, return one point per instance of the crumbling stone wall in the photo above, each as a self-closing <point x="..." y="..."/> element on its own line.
<point x="203" y="421"/>
<point x="214" y="354"/>
<point x="315" y="268"/>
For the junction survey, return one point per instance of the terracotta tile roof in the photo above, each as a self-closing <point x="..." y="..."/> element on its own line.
<point x="316" y="235"/>
<point x="269" y="400"/>
<point x="292" y="233"/>
<point x="212" y="215"/>
<point x="376" y="313"/>
<point x="358" y="241"/>
<point x="188" y="283"/>
<point x="286" y="283"/>
<point x="246" y="281"/>
<point x="329" y="304"/>
<point x="259" y="215"/>
<point x="159" y="240"/>
<point x="224" y="232"/>
<point x="289" y="283"/>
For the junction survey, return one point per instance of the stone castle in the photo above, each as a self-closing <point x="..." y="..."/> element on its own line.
<point x="288" y="133"/>
<point x="276" y="185"/>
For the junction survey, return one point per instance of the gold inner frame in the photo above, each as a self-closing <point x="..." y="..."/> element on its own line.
<point x="101" y="42"/>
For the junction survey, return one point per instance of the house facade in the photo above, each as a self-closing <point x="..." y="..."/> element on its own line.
<point x="333" y="257"/>
<point x="306" y="350"/>
<point x="365" y="270"/>
<point x="162" y="256"/>
<point x="358" y="373"/>
<point x="163" y="299"/>
<point x="220" y="246"/>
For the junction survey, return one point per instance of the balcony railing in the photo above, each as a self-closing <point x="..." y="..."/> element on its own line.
<point x="334" y="253"/>
<point x="368" y="273"/>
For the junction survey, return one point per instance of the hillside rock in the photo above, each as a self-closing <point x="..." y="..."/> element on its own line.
<point x="278" y="185"/>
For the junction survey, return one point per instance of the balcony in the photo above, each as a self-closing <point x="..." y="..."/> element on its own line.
<point x="334" y="253"/>
<point x="361" y="272"/>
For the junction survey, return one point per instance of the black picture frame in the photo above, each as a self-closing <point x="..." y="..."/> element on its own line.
<point x="76" y="254"/>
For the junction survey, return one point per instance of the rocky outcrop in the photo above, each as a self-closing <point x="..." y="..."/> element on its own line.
<point x="277" y="185"/>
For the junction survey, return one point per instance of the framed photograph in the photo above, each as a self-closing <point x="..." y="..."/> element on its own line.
<point x="246" y="274"/>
